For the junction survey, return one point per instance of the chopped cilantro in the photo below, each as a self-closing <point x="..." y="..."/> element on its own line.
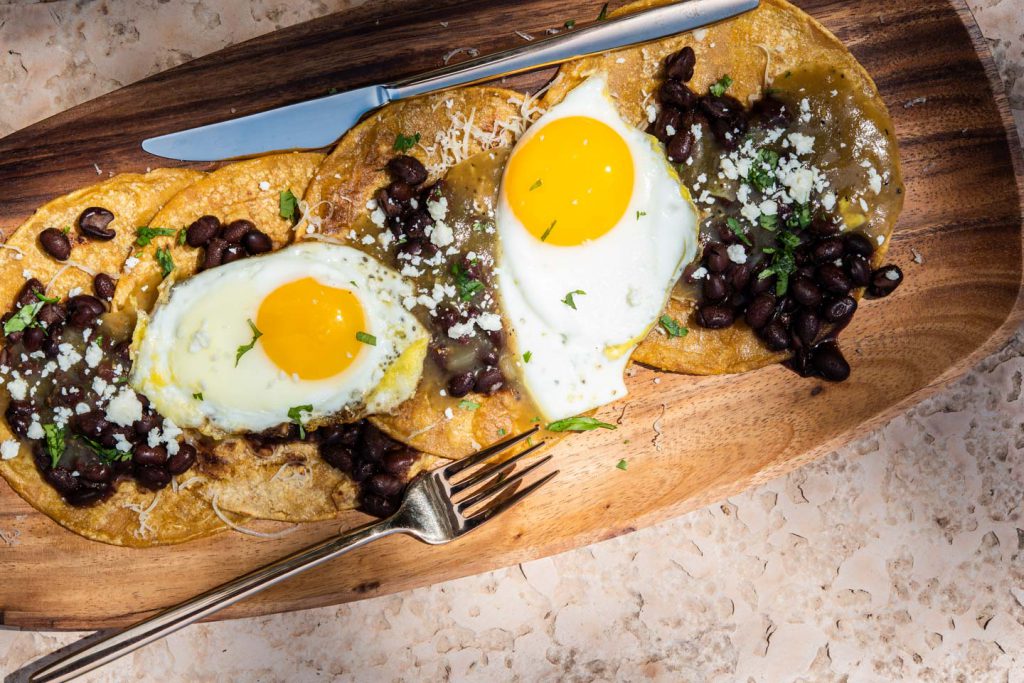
<point x="295" y="415"/>
<point x="145" y="235"/>
<point x="578" y="424"/>
<point x="801" y="217"/>
<point x="403" y="143"/>
<point x="501" y="431"/>
<point x="737" y="229"/>
<point x="604" y="12"/>
<point x="106" y="454"/>
<point x="544" y="237"/>
<point x="536" y="184"/>
<point x="182" y="235"/>
<point x="23" y="318"/>
<point x="466" y="404"/>
<point x="720" y="86"/>
<point x="570" y="23"/>
<point x="783" y="261"/>
<point x="47" y="299"/>
<point x="198" y="396"/>
<point x="640" y="214"/>
<point x="768" y="222"/>
<point x="54" y="442"/>
<point x="467" y="286"/>
<point x="672" y="326"/>
<point x="762" y="171"/>
<point x="527" y="356"/>
<point x="66" y="229"/>
<point x="368" y="339"/>
<point x="163" y="257"/>
<point x="246" y="348"/>
<point x="288" y="205"/>
<point x="479" y="226"/>
<point x="568" y="298"/>
<point x="622" y="464"/>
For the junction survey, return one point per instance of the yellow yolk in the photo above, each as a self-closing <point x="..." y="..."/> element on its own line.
<point x="571" y="182"/>
<point x="309" y="329"/>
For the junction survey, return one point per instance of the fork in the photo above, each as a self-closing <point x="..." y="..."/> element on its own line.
<point x="438" y="507"/>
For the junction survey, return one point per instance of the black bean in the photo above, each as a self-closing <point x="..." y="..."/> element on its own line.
<point x="829" y="361"/>
<point x="401" y="192"/>
<point x="55" y="243"/>
<point x="715" y="288"/>
<point x="461" y="384"/>
<point x="399" y="463"/>
<point x="378" y="506"/>
<point x="489" y="381"/>
<point x="103" y="285"/>
<point x="407" y="169"/>
<point x="680" y="65"/>
<point x="739" y="300"/>
<point x="806" y="292"/>
<point x="383" y="484"/>
<point x="667" y="123"/>
<point x="153" y="478"/>
<point x="88" y="494"/>
<point x="858" y="243"/>
<point x="183" y="460"/>
<point x="27" y="293"/>
<point x="84" y="309"/>
<point x="680" y="146"/>
<point x="151" y="456"/>
<point x="416" y="223"/>
<point x="775" y="336"/>
<point x="833" y="279"/>
<point x="337" y="455"/>
<point x="388" y="204"/>
<point x="233" y="252"/>
<point x="800" y="363"/>
<point x="739" y="276"/>
<point x="147" y="423"/>
<point x="803" y="256"/>
<point x="823" y="226"/>
<point x="257" y="242"/>
<point x="724" y="107"/>
<point x="807" y="327"/>
<point x="374" y="443"/>
<point x="487" y="356"/>
<point x="61" y="479"/>
<point x="840" y="310"/>
<point x="362" y="470"/>
<point x="96" y="471"/>
<point x="772" y="111"/>
<point x="52" y="315"/>
<point x="715" y="316"/>
<point x="762" y="284"/>
<point x="884" y="281"/>
<point x="201" y="231"/>
<point x="760" y="310"/>
<point x="214" y="255"/>
<point x="33" y="339"/>
<point x="51" y="347"/>
<point x="859" y="270"/>
<point x="19" y="417"/>
<point x="677" y="94"/>
<point x="94" y="222"/>
<point x="716" y="256"/>
<point x="828" y="250"/>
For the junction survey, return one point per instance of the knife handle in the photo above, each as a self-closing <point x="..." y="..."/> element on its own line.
<point x="600" y="37"/>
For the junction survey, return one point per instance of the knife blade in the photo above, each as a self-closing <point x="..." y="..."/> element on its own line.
<point x="320" y="122"/>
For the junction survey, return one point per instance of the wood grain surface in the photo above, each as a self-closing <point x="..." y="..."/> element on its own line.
<point x="721" y="435"/>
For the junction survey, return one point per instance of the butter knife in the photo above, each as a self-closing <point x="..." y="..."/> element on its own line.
<point x="320" y="122"/>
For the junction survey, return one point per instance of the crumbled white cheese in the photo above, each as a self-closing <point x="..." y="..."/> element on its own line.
<point x="18" y="389"/>
<point x="367" y="240"/>
<point x="438" y="209"/>
<point x="68" y="356"/>
<point x="460" y="330"/>
<point x="125" y="408"/>
<point x="130" y="263"/>
<point x="700" y="273"/>
<point x="35" y="431"/>
<point x="874" y="180"/>
<point x="93" y="355"/>
<point x="371" y="204"/>
<point x="442" y="234"/>
<point x="700" y="34"/>
<point x="670" y="130"/>
<point x="892" y="275"/>
<point x="82" y="409"/>
<point x="9" y="449"/>
<point x="122" y="444"/>
<point x="802" y="144"/>
<point x="828" y="200"/>
<point x="490" y="322"/>
<point x="377" y="217"/>
<point x="449" y="413"/>
<point x="264" y="185"/>
<point x="652" y="113"/>
<point x="737" y="254"/>
<point x="880" y="239"/>
<point x="769" y="207"/>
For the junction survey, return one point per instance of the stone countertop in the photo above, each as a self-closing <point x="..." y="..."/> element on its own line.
<point x="900" y="556"/>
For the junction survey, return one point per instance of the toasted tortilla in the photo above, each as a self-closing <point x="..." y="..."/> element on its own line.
<point x="453" y="126"/>
<point x="754" y="49"/>
<point x="133" y="516"/>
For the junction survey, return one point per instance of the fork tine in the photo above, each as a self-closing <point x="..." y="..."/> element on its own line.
<point x="499" y="486"/>
<point x="496" y="509"/>
<point x="487" y="472"/>
<point x="486" y="453"/>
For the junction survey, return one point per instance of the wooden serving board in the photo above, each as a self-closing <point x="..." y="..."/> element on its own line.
<point x="963" y="169"/>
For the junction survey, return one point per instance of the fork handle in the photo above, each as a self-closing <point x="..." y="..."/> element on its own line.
<point x="170" y="620"/>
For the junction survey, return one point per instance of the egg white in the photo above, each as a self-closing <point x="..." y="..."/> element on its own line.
<point x="185" y="354"/>
<point x="577" y="356"/>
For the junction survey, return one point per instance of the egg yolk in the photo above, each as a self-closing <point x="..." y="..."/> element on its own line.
<point x="571" y="181"/>
<point x="309" y="329"/>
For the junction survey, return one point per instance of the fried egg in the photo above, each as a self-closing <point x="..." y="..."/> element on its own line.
<point x="312" y="332"/>
<point x="594" y="228"/>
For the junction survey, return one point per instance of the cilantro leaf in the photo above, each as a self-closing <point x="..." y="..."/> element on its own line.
<point x="198" y="396"/>
<point x="467" y="286"/>
<point x="568" y="298"/>
<point x="762" y="171"/>
<point x="622" y="464"/>
<point x="604" y="12"/>
<point x="768" y="222"/>
<point x="366" y="338"/>
<point x="23" y="318"/>
<point x="578" y="424"/>
<point x="466" y="404"/>
<point x="106" y="454"/>
<point x="569" y="24"/>
<point x="145" y="234"/>
<point x="47" y="299"/>
<point x="640" y="214"/>
<point x="737" y="229"/>
<point x="295" y="415"/>
<point x="720" y="86"/>
<point x="544" y="237"/>
<point x="403" y="143"/>
<point x="246" y="348"/>
<point x="182" y="236"/>
<point x="54" y="442"/>
<point x="537" y="184"/>
<point x="163" y="257"/>
<point x="672" y="326"/>
<point x="527" y="356"/>
<point x="288" y="206"/>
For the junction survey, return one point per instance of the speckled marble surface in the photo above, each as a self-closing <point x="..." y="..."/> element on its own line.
<point x="899" y="557"/>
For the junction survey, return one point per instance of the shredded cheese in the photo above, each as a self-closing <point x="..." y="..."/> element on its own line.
<point x="243" y="530"/>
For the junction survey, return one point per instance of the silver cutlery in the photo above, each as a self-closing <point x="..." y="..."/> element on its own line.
<point x="438" y="507"/>
<point x="318" y="123"/>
